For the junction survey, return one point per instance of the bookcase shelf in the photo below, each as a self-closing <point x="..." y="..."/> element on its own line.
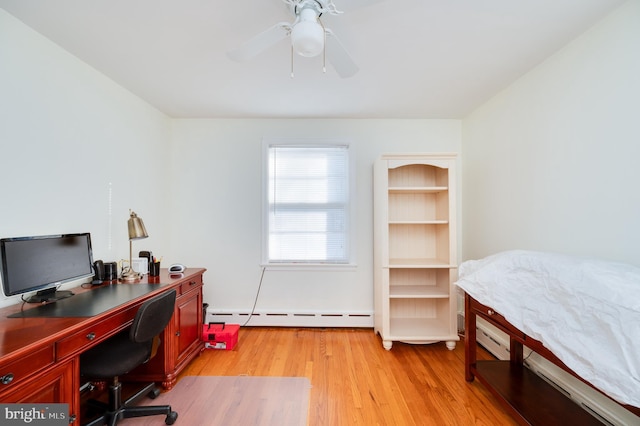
<point x="414" y="249"/>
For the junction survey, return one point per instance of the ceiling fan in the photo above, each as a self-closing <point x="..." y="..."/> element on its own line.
<point x="309" y="37"/>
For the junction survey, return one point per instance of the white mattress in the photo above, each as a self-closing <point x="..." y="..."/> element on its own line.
<point x="586" y="311"/>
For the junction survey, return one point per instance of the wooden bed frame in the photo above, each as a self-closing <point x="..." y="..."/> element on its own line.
<point x="526" y="396"/>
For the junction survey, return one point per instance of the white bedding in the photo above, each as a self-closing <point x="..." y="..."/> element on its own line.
<point x="586" y="311"/>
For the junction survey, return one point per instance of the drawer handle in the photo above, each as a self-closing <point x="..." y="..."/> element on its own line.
<point x="91" y="336"/>
<point x="490" y="312"/>
<point x="193" y="282"/>
<point x="6" y="379"/>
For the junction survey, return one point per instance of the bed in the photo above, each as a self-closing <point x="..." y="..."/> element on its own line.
<point x="581" y="314"/>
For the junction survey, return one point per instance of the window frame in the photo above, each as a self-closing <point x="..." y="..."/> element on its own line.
<point x="267" y="143"/>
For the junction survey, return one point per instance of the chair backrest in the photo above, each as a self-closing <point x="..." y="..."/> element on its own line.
<point x="152" y="317"/>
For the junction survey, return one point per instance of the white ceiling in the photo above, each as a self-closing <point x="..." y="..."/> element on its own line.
<point x="417" y="58"/>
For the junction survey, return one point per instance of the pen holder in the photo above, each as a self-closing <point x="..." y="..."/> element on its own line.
<point x="154" y="269"/>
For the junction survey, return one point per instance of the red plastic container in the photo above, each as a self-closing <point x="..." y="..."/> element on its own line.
<point x="218" y="335"/>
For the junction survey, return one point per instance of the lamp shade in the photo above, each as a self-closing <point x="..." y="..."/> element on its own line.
<point x="307" y="36"/>
<point x="137" y="230"/>
<point x="307" y="39"/>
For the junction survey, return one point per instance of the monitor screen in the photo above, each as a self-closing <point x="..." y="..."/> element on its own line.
<point x="44" y="262"/>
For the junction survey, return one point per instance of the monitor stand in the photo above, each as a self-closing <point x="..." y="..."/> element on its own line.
<point x="49" y="295"/>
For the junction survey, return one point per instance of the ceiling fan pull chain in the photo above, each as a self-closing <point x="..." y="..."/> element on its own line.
<point x="292" y="53"/>
<point x="324" y="47"/>
<point x="324" y="60"/>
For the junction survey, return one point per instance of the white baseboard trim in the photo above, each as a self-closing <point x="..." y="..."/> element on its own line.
<point x="276" y="318"/>
<point x="492" y="339"/>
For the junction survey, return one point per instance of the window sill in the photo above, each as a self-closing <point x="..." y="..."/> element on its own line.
<point x="309" y="266"/>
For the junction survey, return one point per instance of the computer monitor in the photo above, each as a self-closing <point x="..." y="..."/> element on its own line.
<point x="43" y="263"/>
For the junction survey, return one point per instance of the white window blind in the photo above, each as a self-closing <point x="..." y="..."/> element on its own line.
<point x="308" y="204"/>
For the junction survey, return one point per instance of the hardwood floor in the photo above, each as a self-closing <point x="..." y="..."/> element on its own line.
<point x="356" y="382"/>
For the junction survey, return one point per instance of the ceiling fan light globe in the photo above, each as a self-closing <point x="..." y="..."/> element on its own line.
<point x="307" y="38"/>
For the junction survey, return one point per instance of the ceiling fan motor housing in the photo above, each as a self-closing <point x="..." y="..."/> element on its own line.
<point x="319" y="5"/>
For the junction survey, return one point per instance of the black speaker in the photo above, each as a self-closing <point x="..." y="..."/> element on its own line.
<point x="98" y="267"/>
<point x="110" y="271"/>
<point x="148" y="255"/>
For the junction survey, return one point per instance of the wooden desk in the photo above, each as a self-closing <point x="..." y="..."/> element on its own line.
<point x="39" y="356"/>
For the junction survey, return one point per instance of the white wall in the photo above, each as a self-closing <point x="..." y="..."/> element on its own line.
<point x="68" y="137"/>
<point x="551" y="163"/>
<point x="217" y="219"/>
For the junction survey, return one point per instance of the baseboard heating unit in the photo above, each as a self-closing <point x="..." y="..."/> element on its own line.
<point x="607" y="411"/>
<point x="292" y="318"/>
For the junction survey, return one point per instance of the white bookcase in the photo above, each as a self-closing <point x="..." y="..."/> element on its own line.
<point x="414" y="248"/>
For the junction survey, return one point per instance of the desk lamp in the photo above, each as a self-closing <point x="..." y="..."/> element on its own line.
<point x="137" y="231"/>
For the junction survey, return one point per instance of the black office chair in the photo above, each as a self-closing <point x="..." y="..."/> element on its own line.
<point x="125" y="351"/>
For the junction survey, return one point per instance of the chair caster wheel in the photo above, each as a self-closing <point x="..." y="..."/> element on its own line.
<point x="154" y="393"/>
<point x="171" y="418"/>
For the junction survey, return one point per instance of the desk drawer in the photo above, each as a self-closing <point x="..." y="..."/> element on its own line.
<point x="16" y="371"/>
<point x="191" y="284"/>
<point x="94" y="334"/>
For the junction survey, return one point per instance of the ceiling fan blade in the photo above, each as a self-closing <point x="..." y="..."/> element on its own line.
<point x="339" y="57"/>
<point x="260" y="42"/>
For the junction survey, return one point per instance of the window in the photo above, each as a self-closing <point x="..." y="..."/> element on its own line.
<point x="307" y="203"/>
